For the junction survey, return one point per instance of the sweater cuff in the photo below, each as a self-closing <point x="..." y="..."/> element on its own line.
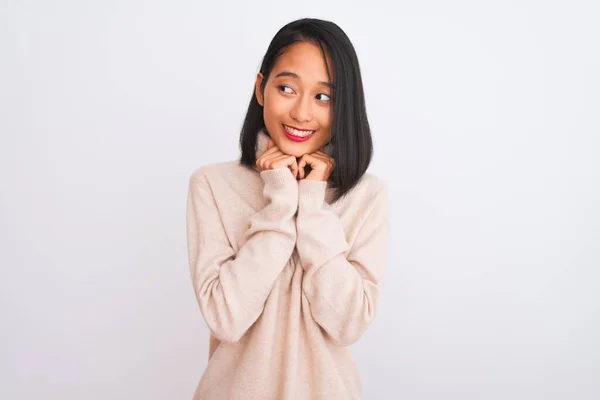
<point x="311" y="193"/>
<point x="278" y="177"/>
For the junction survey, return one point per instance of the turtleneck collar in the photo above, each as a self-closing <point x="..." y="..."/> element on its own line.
<point x="262" y="141"/>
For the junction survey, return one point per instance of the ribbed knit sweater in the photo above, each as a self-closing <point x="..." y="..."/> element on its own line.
<point x="285" y="279"/>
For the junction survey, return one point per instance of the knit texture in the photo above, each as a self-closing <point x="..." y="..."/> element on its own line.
<point x="285" y="279"/>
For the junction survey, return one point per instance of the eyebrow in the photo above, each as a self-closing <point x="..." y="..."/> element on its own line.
<point x="293" y="75"/>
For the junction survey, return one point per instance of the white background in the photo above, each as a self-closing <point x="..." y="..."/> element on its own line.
<point x="485" y="119"/>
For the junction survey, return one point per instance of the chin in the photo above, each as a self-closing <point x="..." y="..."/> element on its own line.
<point x="293" y="149"/>
<point x="297" y="150"/>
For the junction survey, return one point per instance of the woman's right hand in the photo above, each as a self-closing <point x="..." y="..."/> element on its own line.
<point x="274" y="158"/>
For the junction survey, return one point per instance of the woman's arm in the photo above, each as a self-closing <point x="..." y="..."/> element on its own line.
<point x="231" y="288"/>
<point x="342" y="284"/>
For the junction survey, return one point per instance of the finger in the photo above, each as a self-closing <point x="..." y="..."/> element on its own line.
<point x="269" y="144"/>
<point x="272" y="152"/>
<point x="326" y="158"/>
<point x="301" y="165"/>
<point x="292" y="164"/>
<point x="268" y="152"/>
<point x="282" y="161"/>
<point x="321" y="154"/>
<point x="265" y="158"/>
<point x="273" y="160"/>
<point x="294" y="168"/>
<point x="313" y="161"/>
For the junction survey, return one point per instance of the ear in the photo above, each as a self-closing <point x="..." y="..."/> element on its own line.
<point x="257" y="91"/>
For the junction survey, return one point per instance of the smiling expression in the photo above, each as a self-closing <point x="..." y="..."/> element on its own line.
<point x="297" y="102"/>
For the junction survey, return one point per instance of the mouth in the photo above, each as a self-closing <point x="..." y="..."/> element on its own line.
<point x="297" y="135"/>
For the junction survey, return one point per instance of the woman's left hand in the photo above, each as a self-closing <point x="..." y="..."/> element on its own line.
<point x="321" y="165"/>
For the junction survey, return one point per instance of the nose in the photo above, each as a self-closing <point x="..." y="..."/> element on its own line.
<point x="302" y="110"/>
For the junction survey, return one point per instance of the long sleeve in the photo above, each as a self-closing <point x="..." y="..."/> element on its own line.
<point x="231" y="288"/>
<point x="342" y="284"/>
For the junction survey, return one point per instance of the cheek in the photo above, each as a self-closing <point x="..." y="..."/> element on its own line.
<point x="324" y="118"/>
<point x="274" y="104"/>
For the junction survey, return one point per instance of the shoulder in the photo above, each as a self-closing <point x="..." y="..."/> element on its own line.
<point x="370" y="187"/>
<point x="216" y="171"/>
<point x="368" y="193"/>
<point x="226" y="180"/>
<point x="372" y="199"/>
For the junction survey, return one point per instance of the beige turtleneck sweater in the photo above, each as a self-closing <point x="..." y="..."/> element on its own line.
<point x="285" y="279"/>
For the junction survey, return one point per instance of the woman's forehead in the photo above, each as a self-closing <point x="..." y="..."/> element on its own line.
<point x="306" y="61"/>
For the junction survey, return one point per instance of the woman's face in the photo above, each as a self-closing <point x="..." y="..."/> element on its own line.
<point x="297" y="100"/>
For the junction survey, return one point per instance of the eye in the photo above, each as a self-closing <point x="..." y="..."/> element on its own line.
<point x="282" y="87"/>
<point x="327" y="98"/>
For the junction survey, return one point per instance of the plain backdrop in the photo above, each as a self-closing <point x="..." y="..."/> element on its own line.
<point x="485" y="121"/>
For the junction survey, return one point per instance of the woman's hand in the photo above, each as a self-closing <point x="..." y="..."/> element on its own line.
<point x="274" y="158"/>
<point x="321" y="165"/>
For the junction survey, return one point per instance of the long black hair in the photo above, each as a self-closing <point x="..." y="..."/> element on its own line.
<point x="351" y="144"/>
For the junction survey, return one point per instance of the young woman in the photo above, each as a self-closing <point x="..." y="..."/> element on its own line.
<point x="287" y="246"/>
